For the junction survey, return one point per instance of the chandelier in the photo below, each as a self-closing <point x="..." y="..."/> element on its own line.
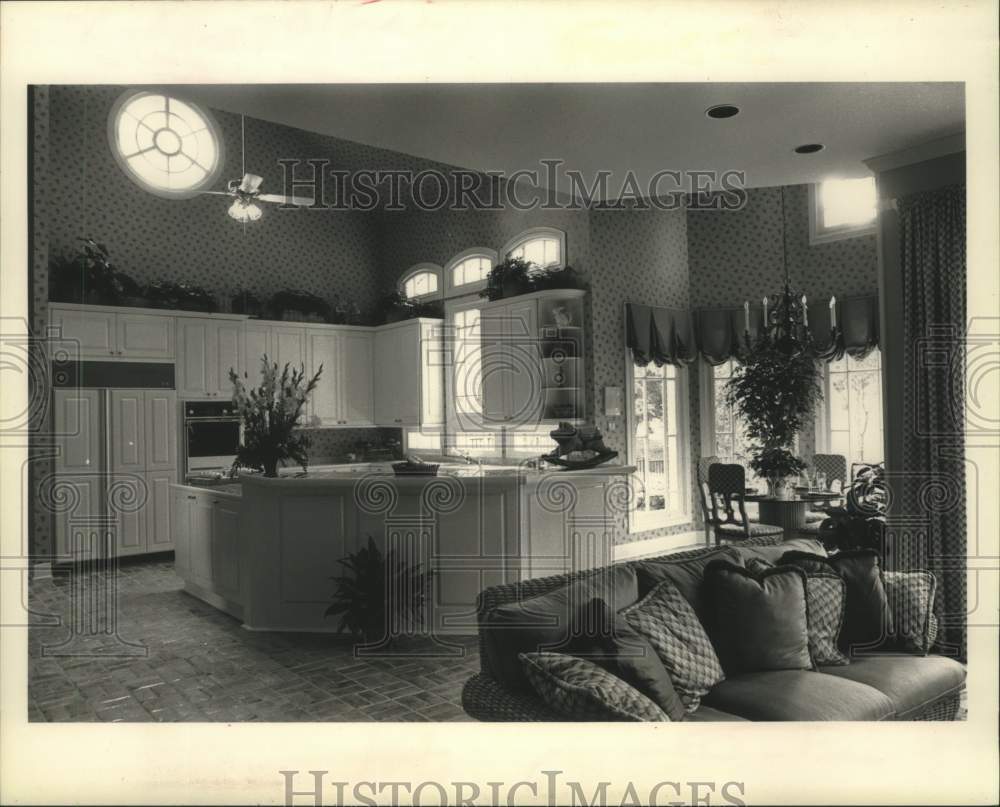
<point x="786" y="315"/>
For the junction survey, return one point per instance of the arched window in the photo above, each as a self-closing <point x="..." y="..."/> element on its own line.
<point x="542" y="246"/>
<point x="166" y="146"/>
<point x="467" y="271"/>
<point x="422" y="280"/>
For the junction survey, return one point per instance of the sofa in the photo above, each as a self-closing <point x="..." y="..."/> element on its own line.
<point x="884" y="683"/>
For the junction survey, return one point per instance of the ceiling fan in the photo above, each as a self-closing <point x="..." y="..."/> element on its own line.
<point x="246" y="193"/>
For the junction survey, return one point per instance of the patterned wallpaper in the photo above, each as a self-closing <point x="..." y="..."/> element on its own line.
<point x="735" y="255"/>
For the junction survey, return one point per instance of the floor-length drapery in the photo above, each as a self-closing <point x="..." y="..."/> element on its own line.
<point x="928" y="520"/>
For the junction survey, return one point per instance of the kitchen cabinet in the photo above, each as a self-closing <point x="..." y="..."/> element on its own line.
<point x="127" y="495"/>
<point x="207" y="348"/>
<point x="160" y="425"/>
<point x="79" y="432"/>
<point x="76" y="503"/>
<point x="127" y="430"/>
<point x="207" y="541"/>
<point x="103" y="333"/>
<point x="258" y="345"/>
<point x="288" y="345"/>
<point x="532" y="366"/>
<point x="408" y="372"/>
<point x="159" y="514"/>
<point x="343" y="396"/>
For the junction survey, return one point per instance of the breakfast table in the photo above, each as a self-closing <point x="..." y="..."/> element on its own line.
<point x="790" y="513"/>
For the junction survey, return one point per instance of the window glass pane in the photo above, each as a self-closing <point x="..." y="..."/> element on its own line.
<point x="655" y="448"/>
<point x="542" y="251"/>
<point x="425" y="441"/>
<point x="420" y="283"/>
<point x="847" y="202"/>
<point x="472" y="270"/>
<point x="854" y="408"/>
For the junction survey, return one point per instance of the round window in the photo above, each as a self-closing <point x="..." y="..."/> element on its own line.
<point x="167" y="146"/>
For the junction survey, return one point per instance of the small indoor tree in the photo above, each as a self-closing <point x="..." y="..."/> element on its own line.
<point x="775" y="395"/>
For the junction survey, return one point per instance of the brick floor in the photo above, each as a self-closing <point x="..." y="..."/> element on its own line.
<point x="174" y="658"/>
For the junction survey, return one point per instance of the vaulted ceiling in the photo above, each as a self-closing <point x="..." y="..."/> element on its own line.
<point x="644" y="128"/>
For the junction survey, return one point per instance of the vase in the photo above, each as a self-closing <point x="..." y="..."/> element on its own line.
<point x="780" y="490"/>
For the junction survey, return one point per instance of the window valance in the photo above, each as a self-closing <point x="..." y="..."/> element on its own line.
<point x="677" y="336"/>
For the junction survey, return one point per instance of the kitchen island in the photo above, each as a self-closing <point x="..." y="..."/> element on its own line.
<point x="265" y="550"/>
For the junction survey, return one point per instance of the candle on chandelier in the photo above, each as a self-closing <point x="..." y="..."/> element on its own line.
<point x="833" y="312"/>
<point x="805" y="312"/>
<point x="765" y="312"/>
<point x="746" y="315"/>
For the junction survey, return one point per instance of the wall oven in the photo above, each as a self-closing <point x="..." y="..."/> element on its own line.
<point x="212" y="435"/>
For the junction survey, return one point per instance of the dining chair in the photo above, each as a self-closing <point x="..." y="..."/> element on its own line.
<point x="704" y="463"/>
<point x="726" y="487"/>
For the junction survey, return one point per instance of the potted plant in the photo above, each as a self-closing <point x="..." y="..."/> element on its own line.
<point x="508" y="278"/>
<point x="180" y="296"/>
<point x="91" y="277"/>
<point x="270" y="414"/>
<point x="381" y="597"/>
<point x="554" y="277"/>
<point x="298" y="306"/>
<point x="776" y="465"/>
<point x="860" y="522"/>
<point x="246" y="302"/>
<point x="774" y="394"/>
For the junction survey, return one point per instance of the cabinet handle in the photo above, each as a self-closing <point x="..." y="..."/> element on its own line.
<point x="87" y="461"/>
<point x="192" y="498"/>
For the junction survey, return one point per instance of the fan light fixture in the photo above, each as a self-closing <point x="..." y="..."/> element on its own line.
<point x="244" y="211"/>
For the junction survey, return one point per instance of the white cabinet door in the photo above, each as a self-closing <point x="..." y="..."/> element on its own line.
<point x="495" y="367"/>
<point x="128" y="439"/>
<point x="127" y="499"/>
<point x="194" y="346"/>
<point x="161" y="430"/>
<point x="78" y="425"/>
<point x="406" y="370"/>
<point x="289" y="346"/>
<point x="227" y="355"/>
<point x="325" y="406"/>
<point x="431" y="375"/>
<point x="386" y="386"/>
<point x="200" y="514"/>
<point x="181" y="530"/>
<point x="258" y="345"/>
<point x="94" y="331"/>
<point x="159" y="512"/>
<point x="144" y="336"/>
<point x="355" y="375"/>
<point x="524" y="355"/>
<point x="76" y="499"/>
<point x="226" y="548"/>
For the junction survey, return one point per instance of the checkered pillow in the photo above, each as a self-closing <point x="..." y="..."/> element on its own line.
<point x="580" y="689"/>
<point x="911" y="602"/>
<point x="667" y="621"/>
<point x="825" y="601"/>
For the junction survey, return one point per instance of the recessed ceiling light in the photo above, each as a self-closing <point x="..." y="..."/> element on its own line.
<point x="722" y="111"/>
<point x="809" y="148"/>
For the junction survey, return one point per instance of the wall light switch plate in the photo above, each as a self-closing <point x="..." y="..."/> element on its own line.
<point x="613" y="401"/>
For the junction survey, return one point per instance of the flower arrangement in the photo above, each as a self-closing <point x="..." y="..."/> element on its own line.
<point x="270" y="414"/>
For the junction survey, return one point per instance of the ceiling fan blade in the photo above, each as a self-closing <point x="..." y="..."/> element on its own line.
<point x="301" y="201"/>
<point x="215" y="193"/>
<point x="250" y="183"/>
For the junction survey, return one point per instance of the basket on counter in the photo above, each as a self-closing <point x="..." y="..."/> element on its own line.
<point x="411" y="468"/>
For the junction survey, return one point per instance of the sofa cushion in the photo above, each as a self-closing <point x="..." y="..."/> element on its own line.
<point x="867" y="619"/>
<point x="706" y="714"/>
<point x="666" y="619"/>
<point x="758" y="620"/>
<point x="910" y="682"/>
<point x="582" y="690"/>
<point x="799" y="695"/>
<point x="686" y="574"/>
<point x="773" y="553"/>
<point x="911" y="602"/>
<point x="604" y="637"/>
<point x="543" y="622"/>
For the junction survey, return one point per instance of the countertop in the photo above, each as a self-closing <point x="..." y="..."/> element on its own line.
<point x="351" y="472"/>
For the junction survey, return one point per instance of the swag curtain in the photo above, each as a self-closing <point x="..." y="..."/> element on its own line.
<point x="677" y="336"/>
<point x="928" y="528"/>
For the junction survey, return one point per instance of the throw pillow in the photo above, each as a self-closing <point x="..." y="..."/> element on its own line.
<point x="867" y="619"/>
<point x="543" y="622"/>
<point x="772" y="553"/>
<point x="582" y="690"/>
<point x="825" y="604"/>
<point x="911" y="601"/>
<point x="669" y="623"/>
<point x="759" y="620"/>
<point x="601" y="635"/>
<point x="687" y="574"/>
